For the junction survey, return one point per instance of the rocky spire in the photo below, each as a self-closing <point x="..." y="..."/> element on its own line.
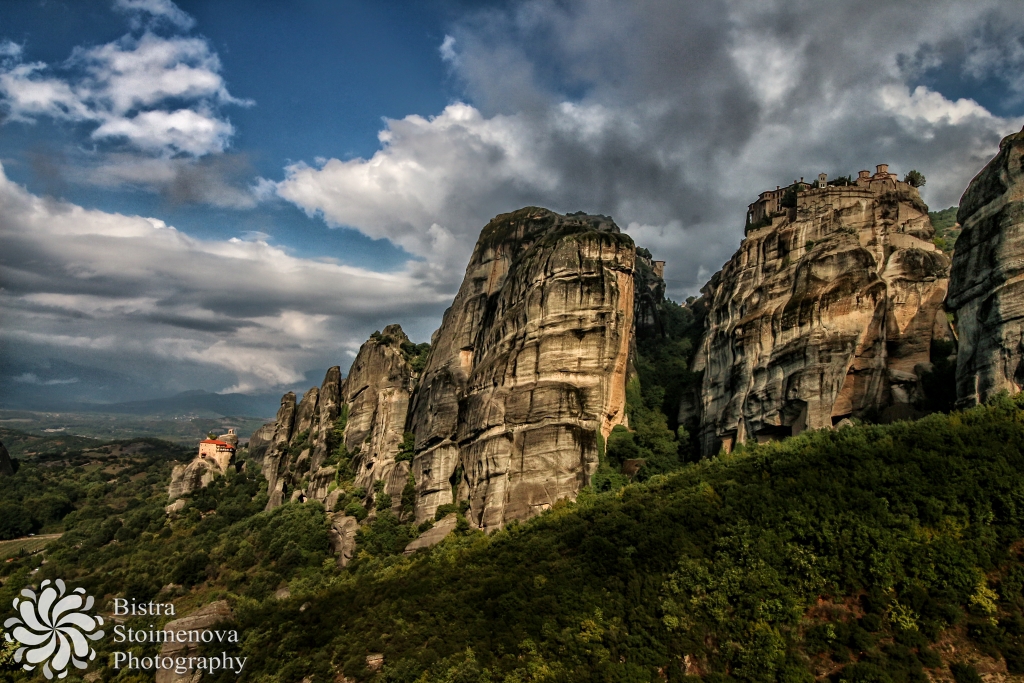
<point x="986" y="288"/>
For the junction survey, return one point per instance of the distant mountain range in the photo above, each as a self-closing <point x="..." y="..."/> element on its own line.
<point x="198" y="401"/>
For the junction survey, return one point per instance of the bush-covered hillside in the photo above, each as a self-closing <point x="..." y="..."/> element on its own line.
<point x="873" y="553"/>
<point x="864" y="554"/>
<point x="947" y="230"/>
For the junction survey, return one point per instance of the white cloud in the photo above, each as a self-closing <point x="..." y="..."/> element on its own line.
<point x="125" y="88"/>
<point x="159" y="9"/>
<point x="929" y="106"/>
<point x="428" y="187"/>
<point x="8" y="49"/>
<point x="447" y="50"/>
<point x="669" y="117"/>
<point x="133" y="292"/>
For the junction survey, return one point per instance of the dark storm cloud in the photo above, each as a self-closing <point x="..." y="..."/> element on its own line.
<point x="671" y="117"/>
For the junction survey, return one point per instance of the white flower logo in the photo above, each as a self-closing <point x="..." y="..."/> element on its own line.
<point x="53" y="629"/>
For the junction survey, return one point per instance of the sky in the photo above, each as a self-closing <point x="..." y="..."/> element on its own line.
<point x="232" y="195"/>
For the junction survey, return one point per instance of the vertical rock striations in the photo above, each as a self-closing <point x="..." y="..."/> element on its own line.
<point x="527" y="369"/>
<point x="827" y="310"/>
<point x="528" y="366"/>
<point x="987" y="283"/>
<point x="377" y="394"/>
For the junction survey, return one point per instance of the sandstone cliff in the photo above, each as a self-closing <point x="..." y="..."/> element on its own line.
<point x="527" y="368"/>
<point x="300" y="442"/>
<point x="827" y="310"/>
<point x="377" y="394"/>
<point x="987" y="282"/>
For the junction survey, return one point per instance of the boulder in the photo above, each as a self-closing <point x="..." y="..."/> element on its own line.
<point x="987" y="283"/>
<point x="201" y="620"/>
<point x="433" y="535"/>
<point x="342" y="537"/>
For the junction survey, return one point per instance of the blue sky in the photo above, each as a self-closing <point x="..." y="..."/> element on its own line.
<point x="232" y="195"/>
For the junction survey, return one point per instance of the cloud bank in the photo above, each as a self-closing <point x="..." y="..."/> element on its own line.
<point x="671" y="118"/>
<point x="134" y="293"/>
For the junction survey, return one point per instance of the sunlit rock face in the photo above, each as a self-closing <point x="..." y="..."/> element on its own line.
<point x="827" y="310"/>
<point x="377" y="393"/>
<point x="987" y="283"/>
<point x="529" y="364"/>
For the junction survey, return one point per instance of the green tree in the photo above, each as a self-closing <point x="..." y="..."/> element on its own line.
<point x="914" y="178"/>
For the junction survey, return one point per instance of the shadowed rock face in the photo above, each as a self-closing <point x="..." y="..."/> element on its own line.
<point x="987" y="282"/>
<point x="6" y="466"/>
<point x="528" y="365"/>
<point x="827" y="312"/>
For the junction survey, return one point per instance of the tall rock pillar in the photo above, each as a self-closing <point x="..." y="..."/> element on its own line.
<point x="987" y="283"/>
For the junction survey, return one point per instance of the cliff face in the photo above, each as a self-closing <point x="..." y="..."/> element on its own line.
<point x="300" y="442"/>
<point x="377" y="393"/>
<point x="528" y="366"/>
<point x="827" y="310"/>
<point x="987" y="282"/>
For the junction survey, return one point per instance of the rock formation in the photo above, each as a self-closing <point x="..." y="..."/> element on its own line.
<point x="827" y="310"/>
<point x="377" y="394"/>
<point x="528" y="366"/>
<point x="342" y="537"/>
<point x="204" y="619"/>
<point x="301" y="439"/>
<point x="6" y="464"/>
<point x="987" y="283"/>
<point x="259" y="442"/>
<point x="216" y="458"/>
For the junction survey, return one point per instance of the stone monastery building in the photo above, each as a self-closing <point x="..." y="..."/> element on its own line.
<point x="770" y="202"/>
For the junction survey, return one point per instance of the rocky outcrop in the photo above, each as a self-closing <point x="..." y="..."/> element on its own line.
<point x="377" y="394"/>
<point x="827" y="310"/>
<point x="525" y="374"/>
<point x="204" y="619"/>
<point x="327" y="414"/>
<point x="987" y="283"/>
<point x="260" y="441"/>
<point x="528" y="366"/>
<point x="215" y="459"/>
<point x="275" y="461"/>
<point x="6" y="464"/>
<point x="342" y="537"/>
<point x="434" y="534"/>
